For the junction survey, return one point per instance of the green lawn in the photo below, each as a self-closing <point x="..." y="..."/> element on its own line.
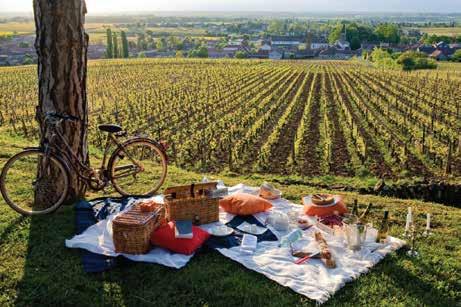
<point x="36" y="269"/>
<point x="450" y="66"/>
<point x="450" y="31"/>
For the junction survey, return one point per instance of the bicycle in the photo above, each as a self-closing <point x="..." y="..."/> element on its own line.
<point x="36" y="180"/>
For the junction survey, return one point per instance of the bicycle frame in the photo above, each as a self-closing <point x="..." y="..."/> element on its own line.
<point x="75" y="162"/>
<point x="55" y="148"/>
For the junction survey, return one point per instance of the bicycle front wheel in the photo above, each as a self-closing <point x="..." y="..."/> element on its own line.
<point x="34" y="183"/>
<point x="139" y="168"/>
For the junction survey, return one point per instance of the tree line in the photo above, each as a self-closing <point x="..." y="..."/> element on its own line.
<point x="113" y="51"/>
<point x="357" y="33"/>
<point x="408" y="60"/>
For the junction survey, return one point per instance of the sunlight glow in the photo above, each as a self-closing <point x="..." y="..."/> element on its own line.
<point x="127" y="6"/>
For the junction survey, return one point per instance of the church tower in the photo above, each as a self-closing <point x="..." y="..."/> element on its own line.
<point x="308" y="39"/>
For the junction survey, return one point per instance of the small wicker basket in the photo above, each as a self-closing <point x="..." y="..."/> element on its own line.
<point x="133" y="229"/>
<point x="322" y="199"/>
<point x="192" y="202"/>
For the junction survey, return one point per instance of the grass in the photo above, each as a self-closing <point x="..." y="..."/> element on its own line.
<point x="17" y="27"/>
<point x="36" y="269"/>
<point x="97" y="31"/>
<point x="449" y="66"/>
<point x="450" y="31"/>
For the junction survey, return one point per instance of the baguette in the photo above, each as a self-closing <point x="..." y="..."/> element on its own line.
<point x="325" y="254"/>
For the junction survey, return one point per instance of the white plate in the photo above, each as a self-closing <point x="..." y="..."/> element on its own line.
<point x="308" y="200"/>
<point x="251" y="228"/>
<point x="221" y="231"/>
<point x="277" y="194"/>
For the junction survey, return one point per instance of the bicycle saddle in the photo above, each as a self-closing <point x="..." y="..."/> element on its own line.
<point x="110" y="128"/>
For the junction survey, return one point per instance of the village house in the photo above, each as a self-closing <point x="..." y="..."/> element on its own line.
<point x="333" y="53"/>
<point x="306" y="54"/>
<point x="439" y="55"/>
<point x="231" y="48"/>
<point x="368" y="47"/>
<point x="260" y="54"/>
<point x="442" y="51"/>
<point x="318" y="45"/>
<point x="3" y="59"/>
<point x="275" y="54"/>
<point x="427" y="49"/>
<point x="342" y="43"/>
<point x="219" y="53"/>
<point x="286" y="43"/>
<point x="265" y="48"/>
<point x="236" y="42"/>
<point x="316" y="41"/>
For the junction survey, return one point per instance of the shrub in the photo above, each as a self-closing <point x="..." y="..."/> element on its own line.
<point x="411" y="60"/>
<point x="240" y="55"/>
<point x="382" y="58"/>
<point x="363" y="172"/>
<point x="200" y="52"/>
<point x="425" y="63"/>
<point x="456" y="56"/>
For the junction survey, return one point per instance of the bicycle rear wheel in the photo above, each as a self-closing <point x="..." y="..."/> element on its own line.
<point x="28" y="182"/>
<point x="139" y="167"/>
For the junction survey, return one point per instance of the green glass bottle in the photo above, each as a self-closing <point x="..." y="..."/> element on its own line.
<point x="355" y="209"/>
<point x="384" y="229"/>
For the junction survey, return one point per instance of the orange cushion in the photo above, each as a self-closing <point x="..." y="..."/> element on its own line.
<point x="244" y="204"/>
<point x="321" y="211"/>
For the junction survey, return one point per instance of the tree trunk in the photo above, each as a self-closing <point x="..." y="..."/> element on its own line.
<point x="61" y="44"/>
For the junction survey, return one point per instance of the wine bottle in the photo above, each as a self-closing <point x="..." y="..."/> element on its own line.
<point x="384" y="229"/>
<point x="409" y="222"/>
<point x="355" y="209"/>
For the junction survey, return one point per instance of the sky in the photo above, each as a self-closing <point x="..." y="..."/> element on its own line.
<point x="112" y="6"/>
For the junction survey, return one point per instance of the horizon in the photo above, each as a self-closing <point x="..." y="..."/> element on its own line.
<point x="119" y="7"/>
<point x="222" y="13"/>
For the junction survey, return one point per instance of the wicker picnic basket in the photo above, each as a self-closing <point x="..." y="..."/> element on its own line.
<point x="132" y="229"/>
<point x="192" y="202"/>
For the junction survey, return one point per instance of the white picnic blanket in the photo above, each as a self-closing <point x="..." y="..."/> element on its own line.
<point x="311" y="279"/>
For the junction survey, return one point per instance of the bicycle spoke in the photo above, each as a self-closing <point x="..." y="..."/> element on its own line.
<point x="124" y="171"/>
<point x="146" y="173"/>
<point x="32" y="184"/>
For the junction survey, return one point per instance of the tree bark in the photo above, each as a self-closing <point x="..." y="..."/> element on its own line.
<point x="61" y="44"/>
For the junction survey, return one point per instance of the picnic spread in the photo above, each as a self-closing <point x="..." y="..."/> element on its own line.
<point x="313" y="249"/>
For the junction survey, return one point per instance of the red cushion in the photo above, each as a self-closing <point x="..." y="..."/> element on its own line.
<point x="164" y="237"/>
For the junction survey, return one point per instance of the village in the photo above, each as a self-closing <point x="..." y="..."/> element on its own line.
<point x="252" y="41"/>
<point x="230" y="153"/>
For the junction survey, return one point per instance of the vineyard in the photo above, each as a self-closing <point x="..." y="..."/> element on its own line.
<point x="307" y="117"/>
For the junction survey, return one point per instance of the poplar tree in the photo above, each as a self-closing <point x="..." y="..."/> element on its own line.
<point x="109" y="47"/>
<point x="115" y="42"/>
<point x="125" y="52"/>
